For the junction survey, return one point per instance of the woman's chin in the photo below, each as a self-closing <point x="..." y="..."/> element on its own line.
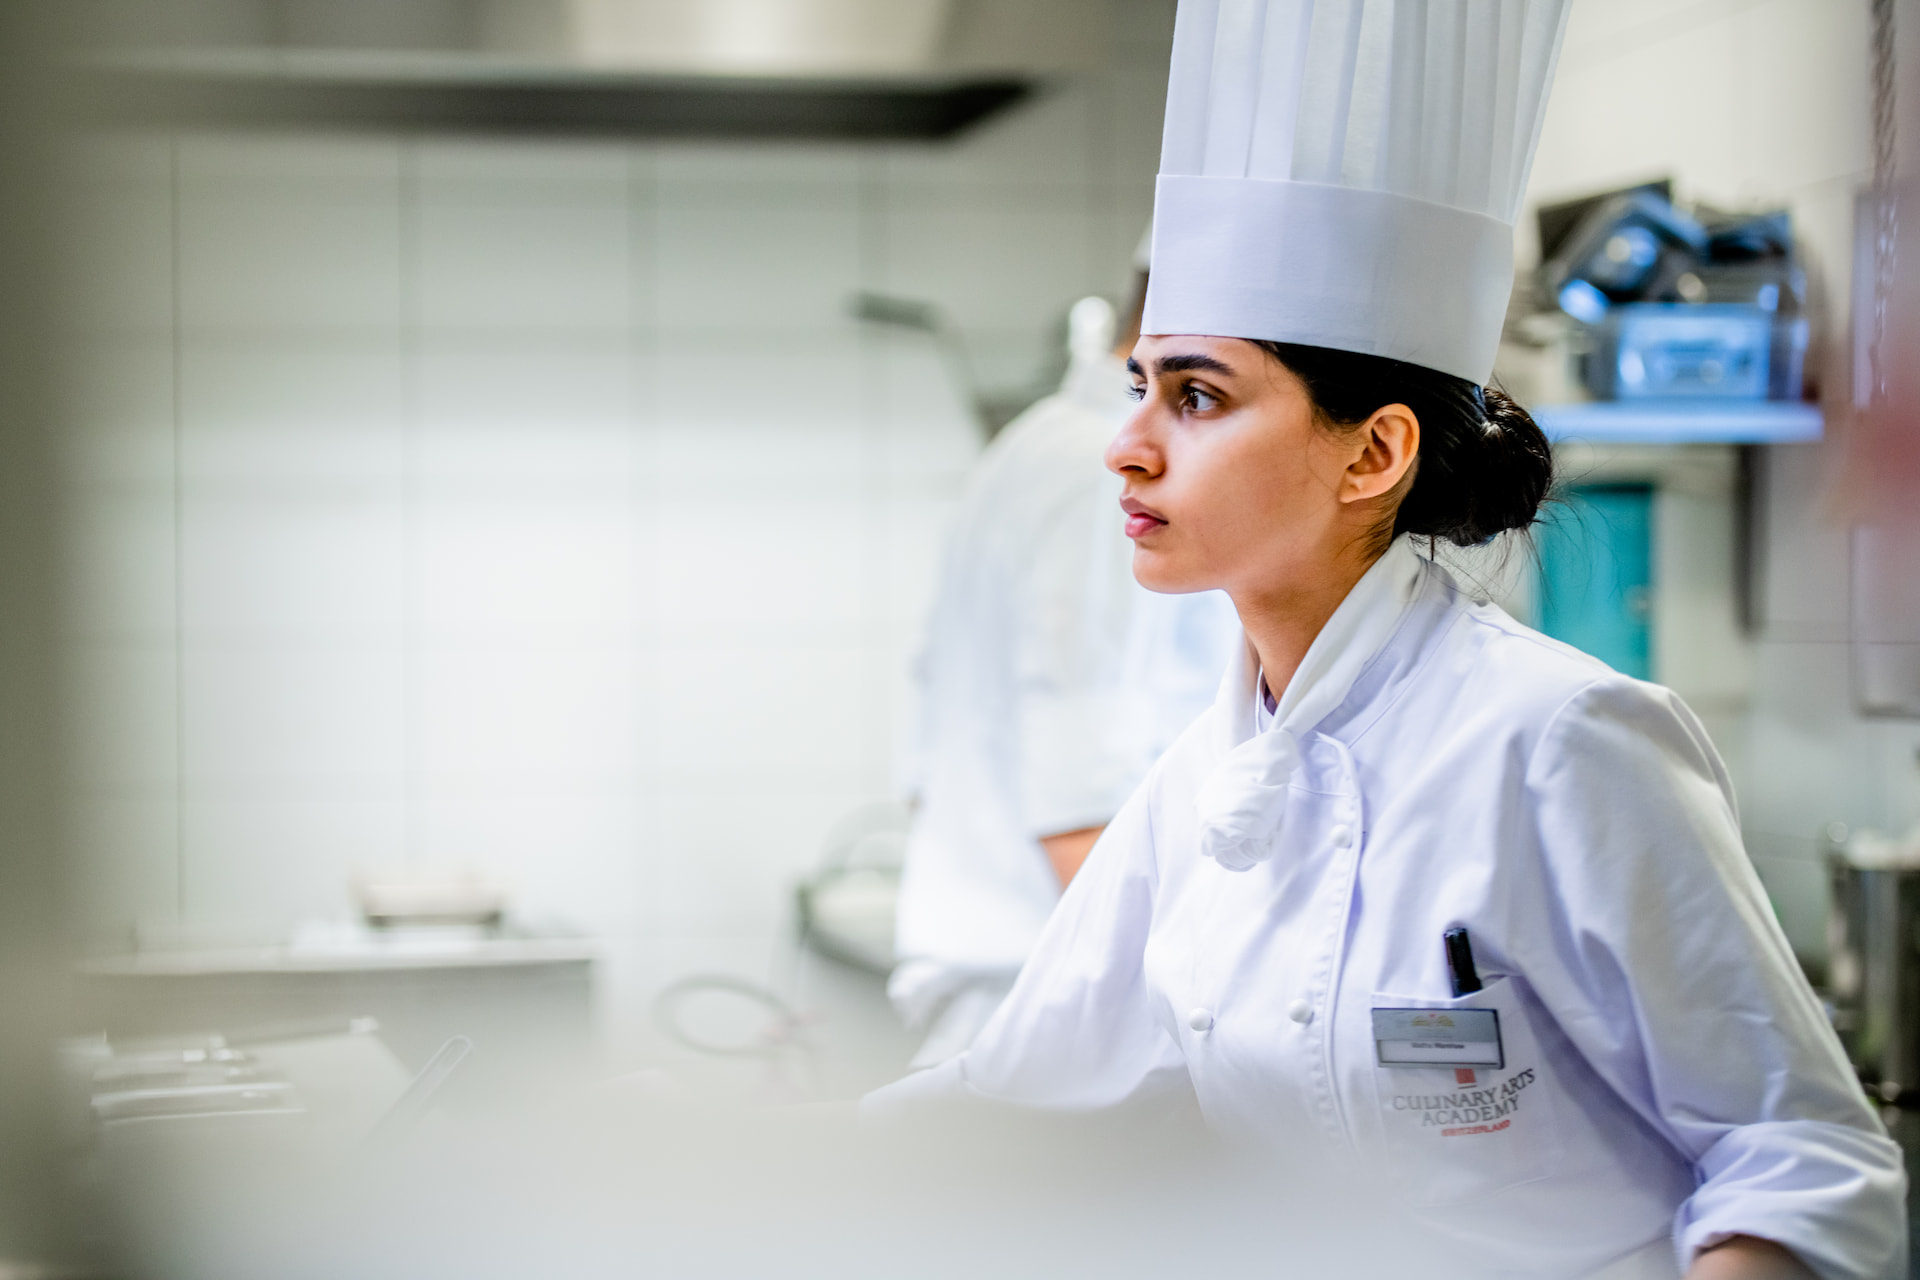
<point x="1155" y="573"/>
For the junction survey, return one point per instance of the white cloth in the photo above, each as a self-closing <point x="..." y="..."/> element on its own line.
<point x="960" y="1018"/>
<point x="1049" y="684"/>
<point x="1242" y="806"/>
<point x="1669" y="1076"/>
<point x="1346" y="173"/>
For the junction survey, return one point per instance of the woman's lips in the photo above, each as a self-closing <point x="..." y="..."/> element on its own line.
<point x="1141" y="519"/>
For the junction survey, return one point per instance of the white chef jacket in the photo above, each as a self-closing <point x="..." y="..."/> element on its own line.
<point x="1049" y="684"/>
<point x="1668" y="1075"/>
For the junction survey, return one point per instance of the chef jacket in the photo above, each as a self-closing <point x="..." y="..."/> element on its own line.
<point x="1049" y="683"/>
<point x="1667" y="1079"/>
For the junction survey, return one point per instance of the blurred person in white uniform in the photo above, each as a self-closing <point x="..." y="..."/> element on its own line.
<point x="1049" y="683"/>
<point x="1425" y="893"/>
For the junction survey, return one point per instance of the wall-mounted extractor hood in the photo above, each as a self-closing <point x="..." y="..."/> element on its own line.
<point x="466" y="94"/>
<point x="850" y="69"/>
<point x="834" y="38"/>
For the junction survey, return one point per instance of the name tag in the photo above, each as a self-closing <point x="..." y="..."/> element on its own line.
<point x="1438" y="1038"/>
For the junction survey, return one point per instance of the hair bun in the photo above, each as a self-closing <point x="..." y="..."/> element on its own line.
<point x="1503" y="477"/>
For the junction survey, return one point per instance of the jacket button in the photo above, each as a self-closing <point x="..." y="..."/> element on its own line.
<point x="1300" y="1011"/>
<point x="1200" y="1020"/>
<point x="1342" y="836"/>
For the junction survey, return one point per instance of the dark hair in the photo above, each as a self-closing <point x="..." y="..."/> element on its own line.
<point x="1484" y="465"/>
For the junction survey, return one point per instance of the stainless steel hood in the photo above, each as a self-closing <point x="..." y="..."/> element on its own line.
<point x="832" y="38"/>
<point x="465" y="94"/>
<point x="849" y="69"/>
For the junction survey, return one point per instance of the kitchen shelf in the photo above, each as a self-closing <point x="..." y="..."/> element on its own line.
<point x="1681" y="422"/>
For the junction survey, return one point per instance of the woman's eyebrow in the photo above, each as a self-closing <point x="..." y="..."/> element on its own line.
<point x="1192" y="363"/>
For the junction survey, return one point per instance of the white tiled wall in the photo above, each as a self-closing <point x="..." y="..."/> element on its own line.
<point x="535" y="505"/>
<point x="1754" y="103"/>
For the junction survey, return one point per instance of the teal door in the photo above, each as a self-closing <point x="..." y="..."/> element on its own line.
<point x="1596" y="574"/>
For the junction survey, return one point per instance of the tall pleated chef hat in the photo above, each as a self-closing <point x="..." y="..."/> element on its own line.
<point x="1346" y="173"/>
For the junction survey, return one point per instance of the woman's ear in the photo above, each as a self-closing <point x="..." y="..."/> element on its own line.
<point x="1388" y="443"/>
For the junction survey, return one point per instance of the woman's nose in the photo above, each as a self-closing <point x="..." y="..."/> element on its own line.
<point x="1131" y="451"/>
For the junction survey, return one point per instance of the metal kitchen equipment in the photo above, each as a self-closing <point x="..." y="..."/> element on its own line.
<point x="1873" y="974"/>
<point x="1676" y="305"/>
<point x="845" y="911"/>
<point x="1668" y="351"/>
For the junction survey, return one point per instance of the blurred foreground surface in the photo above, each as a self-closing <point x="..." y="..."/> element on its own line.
<point x="639" y="1176"/>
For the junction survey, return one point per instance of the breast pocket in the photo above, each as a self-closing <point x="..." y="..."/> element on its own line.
<point x="1466" y="1103"/>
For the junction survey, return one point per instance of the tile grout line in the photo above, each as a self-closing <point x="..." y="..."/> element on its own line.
<point x="871" y="209"/>
<point x="408" y="213"/>
<point x="642" y="246"/>
<point x="177" y="406"/>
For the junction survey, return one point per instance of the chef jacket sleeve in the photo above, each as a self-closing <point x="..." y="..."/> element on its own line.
<point x="1666" y="968"/>
<point x="1079" y="1031"/>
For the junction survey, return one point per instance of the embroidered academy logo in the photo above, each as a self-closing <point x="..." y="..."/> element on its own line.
<point x="1468" y="1111"/>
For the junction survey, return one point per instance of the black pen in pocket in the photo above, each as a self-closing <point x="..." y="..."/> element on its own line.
<point x="1466" y="979"/>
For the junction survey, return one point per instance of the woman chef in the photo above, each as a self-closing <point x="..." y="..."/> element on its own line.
<point x="1629" y="1077"/>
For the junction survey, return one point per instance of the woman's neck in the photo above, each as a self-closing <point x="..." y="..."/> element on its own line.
<point x="1282" y="624"/>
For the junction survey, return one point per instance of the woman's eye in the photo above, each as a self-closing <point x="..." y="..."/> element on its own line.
<point x="1138" y="391"/>
<point x="1199" y="401"/>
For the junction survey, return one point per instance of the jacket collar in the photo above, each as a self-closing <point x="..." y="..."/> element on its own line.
<point x="1242" y="803"/>
<point x="1356" y="633"/>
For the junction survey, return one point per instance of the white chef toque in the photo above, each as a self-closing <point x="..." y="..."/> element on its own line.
<point x="1346" y="173"/>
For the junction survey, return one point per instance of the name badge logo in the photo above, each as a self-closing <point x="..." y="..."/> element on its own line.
<point x="1438" y="1038"/>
